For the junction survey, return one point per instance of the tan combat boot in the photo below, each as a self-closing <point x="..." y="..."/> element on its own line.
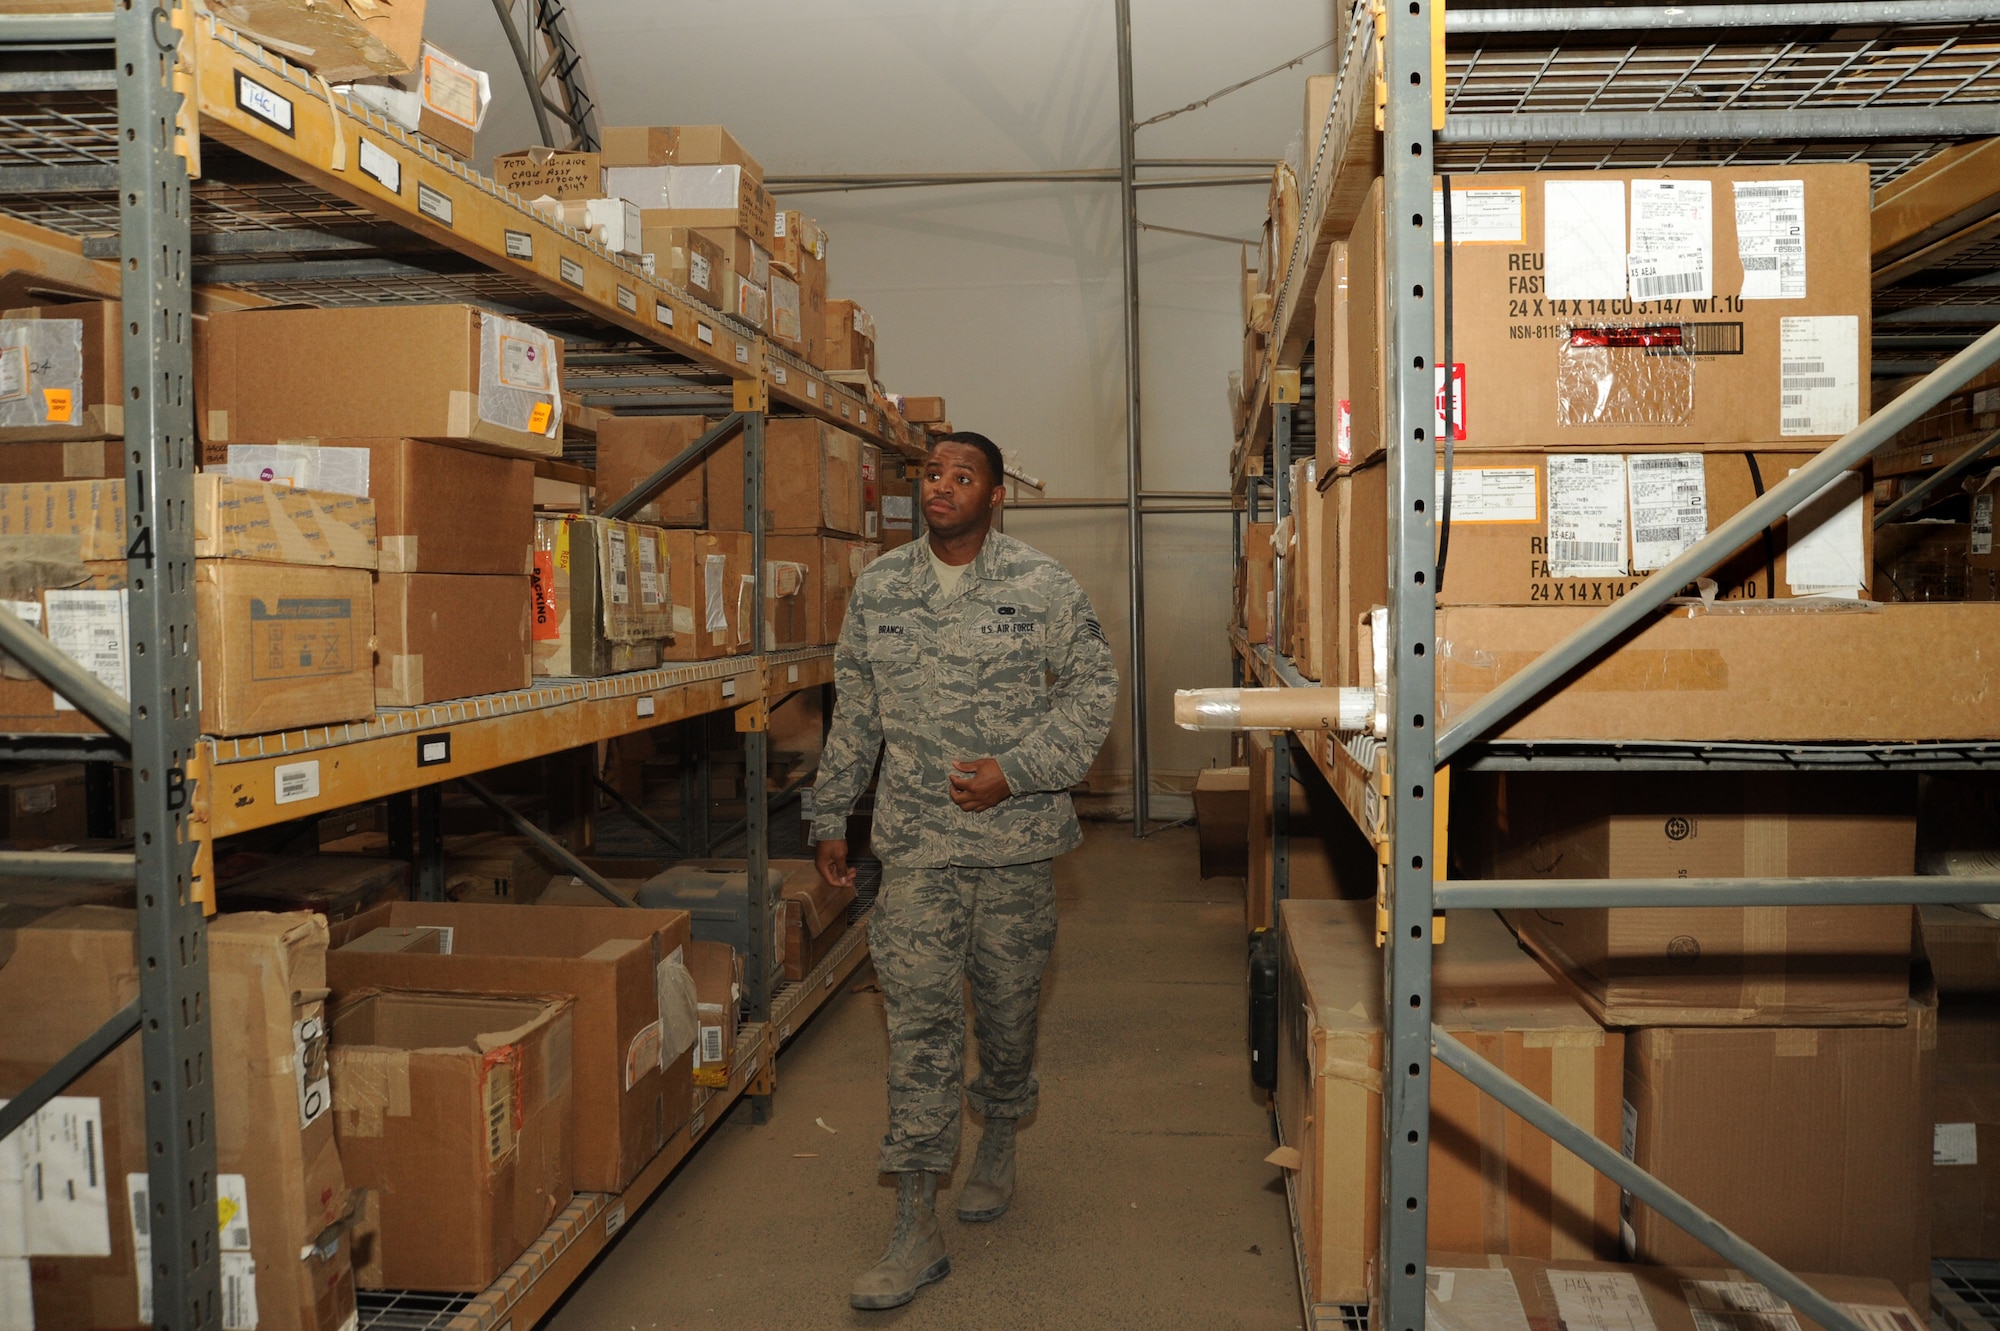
<point x="990" y="1187"/>
<point x="916" y="1255"/>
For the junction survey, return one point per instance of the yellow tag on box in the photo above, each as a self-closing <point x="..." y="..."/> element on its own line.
<point x="61" y="403"/>
<point x="538" y="419"/>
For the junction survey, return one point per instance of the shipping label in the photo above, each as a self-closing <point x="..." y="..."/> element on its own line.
<point x="1823" y="540"/>
<point x="301" y="637"/>
<point x="1343" y="434"/>
<point x="1669" y="498"/>
<point x="238" y="1270"/>
<point x="523" y="365"/>
<point x="53" y="1201"/>
<point x="1482" y="216"/>
<point x="1583" y="236"/>
<point x="501" y="1101"/>
<point x="1982" y="524"/>
<point x="1673" y="240"/>
<point x="715" y="611"/>
<point x="1493" y="494"/>
<point x="1473" y="1297"/>
<point x="1954" y="1143"/>
<point x="1881" y="1317"/>
<point x="91" y="628"/>
<point x="1600" y="1301"/>
<point x="651" y="590"/>
<point x="1586" y="515"/>
<point x="451" y="90"/>
<point x="1737" y="1305"/>
<point x="13" y="373"/>
<point x="618" y="570"/>
<point x="1819" y="382"/>
<point x="1771" y="238"/>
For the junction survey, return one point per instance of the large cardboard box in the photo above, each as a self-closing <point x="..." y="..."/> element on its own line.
<point x="745" y="286"/>
<point x="1836" y="1121"/>
<point x="718" y="986"/>
<point x="453" y="1114"/>
<point x="1706" y="308"/>
<point x="341" y="41"/>
<point x="450" y="635"/>
<point x="1713" y="966"/>
<point x="1222" y="821"/>
<point x="812" y="480"/>
<point x="279" y="1182"/>
<point x="1963" y="949"/>
<point x="1965" y="1141"/>
<point x="629" y="1091"/>
<point x="448" y="372"/>
<point x="703" y="196"/>
<point x="1538" y="528"/>
<point x="1497" y="1185"/>
<point x="88" y="460"/>
<point x="440" y="509"/>
<point x="492" y="867"/>
<point x="1730" y="676"/>
<point x="283" y="646"/>
<point x="554" y="173"/>
<point x="334" y="885"/>
<point x="1332" y="443"/>
<point x="685" y="258"/>
<point x="1255" y="582"/>
<point x="62" y="376"/>
<point x="677" y="145"/>
<point x="709" y="575"/>
<point x="601" y="596"/>
<point x="43" y="805"/>
<point x="850" y="337"/>
<point x="1311" y="872"/>
<point x="274" y="524"/>
<point x="794" y="570"/>
<point x="798" y="249"/>
<point x="632" y="448"/>
<point x="1476" y="1292"/>
<point x="841" y="562"/>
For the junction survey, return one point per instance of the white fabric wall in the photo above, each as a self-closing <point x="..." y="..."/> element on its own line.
<point x="1007" y="299"/>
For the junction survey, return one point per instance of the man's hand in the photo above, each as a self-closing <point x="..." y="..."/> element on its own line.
<point x="831" y="856"/>
<point x="977" y="786"/>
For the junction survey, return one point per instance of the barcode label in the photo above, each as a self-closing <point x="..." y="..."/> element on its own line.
<point x="295" y="781"/>
<point x="239" y="1292"/>
<point x="1586" y="552"/>
<point x="711" y="1044"/>
<point x="1648" y="285"/>
<point x="1771" y="238"/>
<point x="1587" y="515"/>
<point x="1819" y="374"/>
<point x="500" y="1108"/>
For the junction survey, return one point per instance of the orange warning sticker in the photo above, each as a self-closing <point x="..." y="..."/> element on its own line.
<point x="61" y="403"/>
<point x="538" y="419"/>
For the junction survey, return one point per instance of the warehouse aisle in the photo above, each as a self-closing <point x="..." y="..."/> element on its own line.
<point x="1144" y="1199"/>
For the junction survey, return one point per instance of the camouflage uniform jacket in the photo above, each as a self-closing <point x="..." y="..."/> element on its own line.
<point x="1011" y="666"/>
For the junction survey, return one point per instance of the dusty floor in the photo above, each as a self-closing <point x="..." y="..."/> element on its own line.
<point x="1143" y="1201"/>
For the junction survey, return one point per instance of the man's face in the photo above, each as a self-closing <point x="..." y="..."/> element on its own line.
<point x="958" y="495"/>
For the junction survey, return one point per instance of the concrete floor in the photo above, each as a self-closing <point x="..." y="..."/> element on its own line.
<point x="1143" y="1198"/>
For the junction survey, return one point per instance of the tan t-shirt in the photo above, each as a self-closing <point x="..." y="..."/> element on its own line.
<point x="948" y="575"/>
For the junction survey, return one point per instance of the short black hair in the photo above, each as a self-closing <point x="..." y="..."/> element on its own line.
<point x="996" y="466"/>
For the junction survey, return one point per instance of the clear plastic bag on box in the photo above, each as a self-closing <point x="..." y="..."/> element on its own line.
<point x="41" y="372"/>
<point x="1631" y="374"/>
<point x="519" y="386"/>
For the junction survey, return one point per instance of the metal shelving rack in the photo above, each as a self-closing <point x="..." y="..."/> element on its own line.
<point x="153" y="155"/>
<point x="1887" y="83"/>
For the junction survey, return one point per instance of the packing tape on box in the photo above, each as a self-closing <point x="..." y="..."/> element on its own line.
<point x="1763" y="989"/>
<point x="1494" y="1195"/>
<point x="1573" y="1094"/>
<point x="398" y="554"/>
<point x="368" y="1086"/>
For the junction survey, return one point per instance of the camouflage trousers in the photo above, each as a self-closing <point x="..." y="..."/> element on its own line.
<point x="933" y="930"/>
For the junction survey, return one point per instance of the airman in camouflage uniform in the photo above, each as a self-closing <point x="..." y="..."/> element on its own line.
<point x="987" y="699"/>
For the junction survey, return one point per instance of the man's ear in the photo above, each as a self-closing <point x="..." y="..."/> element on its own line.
<point x="999" y="495"/>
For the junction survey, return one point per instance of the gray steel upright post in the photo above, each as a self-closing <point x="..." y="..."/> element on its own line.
<point x="1407" y="151"/>
<point x="1135" y="543"/>
<point x="154" y="203"/>
<point x="758" y="967"/>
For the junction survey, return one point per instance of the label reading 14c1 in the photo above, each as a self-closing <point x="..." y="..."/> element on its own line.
<point x="434" y="204"/>
<point x="572" y="272"/>
<point x="264" y="104"/>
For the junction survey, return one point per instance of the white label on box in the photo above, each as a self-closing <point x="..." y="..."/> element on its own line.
<point x="520" y="245"/>
<point x="1669" y="495"/>
<point x="239" y="1292"/>
<point x="1737" y="1305"/>
<point x="1600" y="1301"/>
<point x="1481" y="216"/>
<point x="1880" y="1317"/>
<point x="295" y="781"/>
<point x="232" y="1213"/>
<point x="812" y="389"/>
<point x="1586" y="515"/>
<point x="652" y="588"/>
<point x="310" y="1068"/>
<point x="13" y="373"/>
<point x="523" y="365"/>
<point x="91" y="628"/>
<point x="1583" y="237"/>
<point x="646" y="706"/>
<point x="806" y="805"/>
<point x="619" y="584"/>
<point x="42" y="799"/>
<point x="52" y="1196"/>
<point x="499" y="1109"/>
<point x="382" y="166"/>
<point x="711" y="1045"/>
<point x="17" y="1295"/>
<point x="1457" y="401"/>
<point x="1343" y="434"/>
<point x="571" y="271"/>
<point x="1473" y="1297"/>
<point x="1955" y="1143"/>
<point x="1673" y="240"/>
<point x="434" y="204"/>
<point x="262" y="103"/>
<point x="628" y="300"/>
<point x="1982" y="524"/>
<point x="239" y="1271"/>
<point x="28" y="612"/>
<point x="451" y="89"/>
<point x="1823" y="540"/>
<point x="1493" y="494"/>
<point x="1771" y="238"/>
<point x="699" y="271"/>
<point x="1819" y="374"/>
<point x="715" y="611"/>
<point x="306" y="466"/>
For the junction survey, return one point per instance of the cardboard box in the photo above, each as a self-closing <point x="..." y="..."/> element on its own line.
<point x="798" y="249"/>
<point x="1963" y="948"/>
<point x="718" y="988"/>
<point x="1837" y="1120"/>
<point x="554" y="173"/>
<point x="812" y="480"/>
<point x="62" y="377"/>
<point x="451" y="635"/>
<point x="495" y="868"/>
<point x="626" y="1099"/>
<point x="1496" y="1184"/>
<point x="453" y="1114"/>
<point x="811" y="917"/>
<point x="704" y="196"/>
<point x="683" y="257"/>
<point x="1723" y="676"/>
<point x="613" y="223"/>
<point x="44" y="805"/>
<point x="1937" y="561"/>
<point x="1654" y="307"/>
<point x="70" y="970"/>
<point x="440" y="509"/>
<point x="850" y="337"/>
<point x="601" y="596"/>
<point x="1312" y="873"/>
<point x="88" y="460"/>
<point x="447" y="372"/>
<point x="871" y="492"/>
<point x="793" y="574"/>
<point x="1965" y="1158"/>
<point x="1222" y="821"/>
<point x="709" y="576"/>
<point x="677" y="145"/>
<point x="1255" y="582"/>
<point x="336" y="886"/>
<point x="1615" y="518"/>
<point x="282" y="646"/>
<point x="340" y="41"/>
<point x="841" y="562"/>
<point x="278" y="524"/>
<point x="1332" y="431"/>
<point x="1476" y="1292"/>
<point x="1714" y="966"/>
<point x="632" y="448"/>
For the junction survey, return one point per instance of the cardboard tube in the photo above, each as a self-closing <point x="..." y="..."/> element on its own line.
<point x="1274" y="709"/>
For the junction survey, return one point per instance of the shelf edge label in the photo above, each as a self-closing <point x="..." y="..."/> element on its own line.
<point x="434" y="750"/>
<point x="295" y="781"/>
<point x="742" y="354"/>
<point x="520" y="245"/>
<point x="628" y="300"/>
<point x="381" y="166"/>
<point x="265" y="104"/>
<point x="434" y="204"/>
<point x="663" y="313"/>
<point x="705" y="333"/>
<point x="571" y="271"/>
